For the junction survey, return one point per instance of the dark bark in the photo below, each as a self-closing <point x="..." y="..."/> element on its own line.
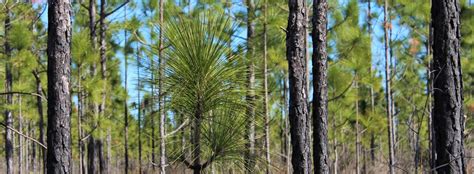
<point x="250" y="97"/>
<point x="59" y="100"/>
<point x="101" y="158"/>
<point x="298" y="109"/>
<point x="447" y="112"/>
<point x="8" y="89"/>
<point x="196" y="138"/>
<point x="320" y="85"/>
<point x="91" y="166"/>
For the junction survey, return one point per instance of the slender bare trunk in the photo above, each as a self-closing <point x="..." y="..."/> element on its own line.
<point x="8" y="88"/>
<point x="265" y="104"/>
<point x="139" y="126"/>
<point x="126" y="105"/>
<point x="357" y="125"/>
<point x="20" y="138"/>
<point x="39" y="107"/>
<point x="160" y="95"/>
<point x="388" y="92"/>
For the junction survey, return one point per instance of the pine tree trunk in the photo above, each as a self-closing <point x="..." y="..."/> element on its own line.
<point x="298" y="109"/>
<point x="126" y="105"/>
<point x="20" y="138"/>
<point x="82" y="167"/>
<point x="161" y="97"/>
<point x="92" y="13"/>
<point x="320" y="95"/>
<point x="448" y="116"/>
<point x="8" y="89"/>
<point x="357" y="145"/>
<point x="196" y="137"/>
<point x="265" y="104"/>
<point x="388" y="92"/>
<point x="250" y="98"/>
<point x="39" y="107"/>
<point x="91" y="156"/>
<point x="59" y="100"/>
<point x="139" y="122"/>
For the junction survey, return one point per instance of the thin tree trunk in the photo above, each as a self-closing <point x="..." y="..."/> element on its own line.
<point x="109" y="151"/>
<point x="388" y="92"/>
<point x="20" y="138"/>
<point x="92" y="13"/>
<point x="80" y="115"/>
<point x="103" y="65"/>
<point x="357" y="125"/>
<point x="126" y="105"/>
<point x="448" y="117"/>
<point x="287" y="128"/>
<point x="265" y="104"/>
<point x="59" y="100"/>
<point x="39" y="106"/>
<point x="320" y="94"/>
<point x="8" y="89"/>
<point x="160" y="95"/>
<point x="298" y="109"/>
<point x="139" y="126"/>
<point x="250" y="98"/>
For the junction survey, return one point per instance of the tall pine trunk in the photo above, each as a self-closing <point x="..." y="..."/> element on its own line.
<point x="39" y="107"/>
<point x="59" y="101"/>
<point x="265" y="103"/>
<point x="126" y="105"/>
<point x="388" y="92"/>
<point x="8" y="89"/>
<point x="448" y="118"/>
<point x="298" y="109"/>
<point x="320" y="83"/>
<point x="160" y="95"/>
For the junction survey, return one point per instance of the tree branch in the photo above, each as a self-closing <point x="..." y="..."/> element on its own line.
<point x="343" y="92"/>
<point x="25" y="93"/>
<point x="23" y="135"/>
<point x="185" y="123"/>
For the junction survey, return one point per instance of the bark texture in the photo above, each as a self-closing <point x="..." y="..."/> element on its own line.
<point x="298" y="108"/>
<point x="447" y="81"/>
<point x="320" y="85"/>
<point x="59" y="100"/>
